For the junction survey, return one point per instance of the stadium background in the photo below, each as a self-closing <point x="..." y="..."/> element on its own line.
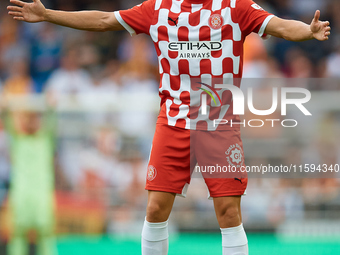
<point x="104" y="86"/>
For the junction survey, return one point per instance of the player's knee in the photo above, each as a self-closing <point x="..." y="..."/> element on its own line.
<point x="233" y="212"/>
<point x="156" y="213"/>
<point x="229" y="213"/>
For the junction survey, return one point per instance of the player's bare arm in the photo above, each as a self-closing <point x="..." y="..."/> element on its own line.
<point x="293" y="30"/>
<point x="83" y="20"/>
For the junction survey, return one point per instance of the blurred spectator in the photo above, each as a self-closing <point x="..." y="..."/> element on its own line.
<point x="89" y="58"/>
<point x="104" y="92"/>
<point x="255" y="58"/>
<point x="45" y="53"/>
<point x="110" y="82"/>
<point x="12" y="48"/>
<point x="99" y="166"/>
<point x="19" y="81"/>
<point x="298" y="65"/>
<point x="285" y="205"/>
<point x="306" y="8"/>
<point x="70" y="80"/>
<point x="139" y="49"/>
<point x="333" y="64"/>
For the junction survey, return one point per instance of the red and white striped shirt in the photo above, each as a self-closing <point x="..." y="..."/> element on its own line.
<point x="197" y="41"/>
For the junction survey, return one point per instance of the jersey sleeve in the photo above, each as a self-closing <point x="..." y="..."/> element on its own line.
<point x="252" y="17"/>
<point x="138" y="19"/>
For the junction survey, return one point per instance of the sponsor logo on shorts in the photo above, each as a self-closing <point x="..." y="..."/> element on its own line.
<point x="152" y="172"/>
<point x="235" y="155"/>
<point x="216" y="21"/>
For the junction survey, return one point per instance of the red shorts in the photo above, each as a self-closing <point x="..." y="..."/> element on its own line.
<point x="178" y="153"/>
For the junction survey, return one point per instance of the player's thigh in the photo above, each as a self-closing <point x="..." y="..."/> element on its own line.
<point x="159" y="206"/>
<point x="221" y="160"/>
<point x="169" y="163"/>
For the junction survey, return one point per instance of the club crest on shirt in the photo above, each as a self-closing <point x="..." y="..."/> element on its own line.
<point x="151" y="173"/>
<point x="216" y="21"/>
<point x="257" y="7"/>
<point x="235" y="155"/>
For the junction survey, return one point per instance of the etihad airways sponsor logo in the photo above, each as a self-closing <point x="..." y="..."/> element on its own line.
<point x="196" y="50"/>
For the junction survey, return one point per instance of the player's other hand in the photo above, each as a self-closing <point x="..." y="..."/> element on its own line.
<point x="320" y="29"/>
<point x="29" y="12"/>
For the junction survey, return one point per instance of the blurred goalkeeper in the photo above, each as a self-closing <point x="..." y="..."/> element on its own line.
<point x="31" y="195"/>
<point x="197" y="42"/>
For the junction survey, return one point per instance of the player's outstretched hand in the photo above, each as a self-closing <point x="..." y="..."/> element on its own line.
<point x="320" y="29"/>
<point x="29" y="12"/>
